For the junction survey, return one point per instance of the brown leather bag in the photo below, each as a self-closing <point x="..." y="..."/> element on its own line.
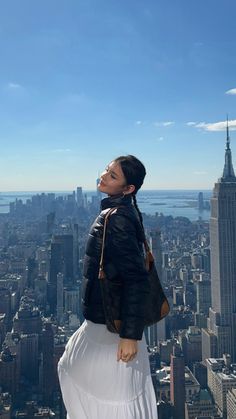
<point x="157" y="303"/>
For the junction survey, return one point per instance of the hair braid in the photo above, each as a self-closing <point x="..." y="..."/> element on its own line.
<point x="138" y="210"/>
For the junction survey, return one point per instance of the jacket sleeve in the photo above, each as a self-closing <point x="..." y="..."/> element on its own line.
<point x="127" y="257"/>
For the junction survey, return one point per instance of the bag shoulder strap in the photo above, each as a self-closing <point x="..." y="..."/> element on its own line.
<point x="101" y="274"/>
<point x="149" y="259"/>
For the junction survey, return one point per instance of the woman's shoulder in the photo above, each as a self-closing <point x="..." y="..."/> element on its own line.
<point x="126" y="218"/>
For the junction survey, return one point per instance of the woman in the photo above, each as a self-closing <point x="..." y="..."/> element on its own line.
<point x="104" y="375"/>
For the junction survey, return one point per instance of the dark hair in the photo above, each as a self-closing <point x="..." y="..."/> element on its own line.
<point x="134" y="173"/>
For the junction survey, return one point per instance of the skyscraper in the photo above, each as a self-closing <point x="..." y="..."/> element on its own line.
<point x="221" y="326"/>
<point x="177" y="383"/>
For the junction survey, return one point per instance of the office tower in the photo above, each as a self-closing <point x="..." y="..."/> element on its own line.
<point x="75" y="250"/>
<point x="50" y="222"/>
<point x="71" y="300"/>
<point x="222" y="314"/>
<point x="220" y="380"/>
<point x="231" y="403"/>
<point x="177" y="382"/>
<point x="66" y="242"/>
<point x="5" y="304"/>
<point x="191" y="345"/>
<point x="178" y="296"/>
<point x="156" y="333"/>
<point x="6" y="408"/>
<point x="40" y="289"/>
<point x="162" y="385"/>
<point x="8" y="371"/>
<point x="47" y="363"/>
<point x="61" y="260"/>
<point x="12" y="341"/>
<point x="165" y="410"/>
<point x="30" y="356"/>
<point x="60" y="280"/>
<point x="165" y="260"/>
<point x="42" y="258"/>
<point x="196" y="260"/>
<point x="201" y="406"/>
<point x="207" y="260"/>
<point x="155" y="243"/>
<point x="79" y="195"/>
<point x="203" y="288"/>
<point x="200" y="201"/>
<point x="55" y="266"/>
<point x="2" y="328"/>
<point x="166" y="349"/>
<point x="200" y="372"/>
<point x="183" y="274"/>
<point x="27" y="319"/>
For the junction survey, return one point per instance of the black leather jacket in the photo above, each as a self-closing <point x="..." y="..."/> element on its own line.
<point x="123" y="257"/>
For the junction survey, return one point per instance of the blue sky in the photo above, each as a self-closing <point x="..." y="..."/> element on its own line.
<point x="83" y="81"/>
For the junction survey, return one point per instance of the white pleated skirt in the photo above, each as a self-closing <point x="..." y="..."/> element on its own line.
<point x="95" y="385"/>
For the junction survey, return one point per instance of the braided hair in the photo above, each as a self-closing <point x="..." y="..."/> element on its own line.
<point x="134" y="173"/>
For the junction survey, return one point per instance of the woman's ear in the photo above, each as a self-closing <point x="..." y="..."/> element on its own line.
<point x="129" y="189"/>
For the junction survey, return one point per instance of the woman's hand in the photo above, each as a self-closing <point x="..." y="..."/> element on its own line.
<point x="127" y="349"/>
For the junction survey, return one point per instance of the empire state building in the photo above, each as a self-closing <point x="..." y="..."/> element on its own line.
<point x="220" y="335"/>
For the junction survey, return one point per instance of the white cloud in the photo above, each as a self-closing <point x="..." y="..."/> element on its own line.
<point x="14" y="86"/>
<point x="138" y="122"/>
<point x="231" y="92"/>
<point x="163" y="124"/>
<point x="191" y="124"/>
<point x="161" y="139"/>
<point x="216" y="126"/>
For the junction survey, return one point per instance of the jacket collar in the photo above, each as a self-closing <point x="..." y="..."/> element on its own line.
<point x="116" y="200"/>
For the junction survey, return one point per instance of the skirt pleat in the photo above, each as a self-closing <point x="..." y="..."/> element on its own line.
<point x="95" y="385"/>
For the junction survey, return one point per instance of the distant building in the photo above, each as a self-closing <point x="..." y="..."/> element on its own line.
<point x="155" y="242"/>
<point x="47" y="374"/>
<point x="5" y="303"/>
<point x="177" y="383"/>
<point x="71" y="299"/>
<point x="79" y="197"/>
<point x="30" y="357"/>
<point x="61" y="260"/>
<point x="231" y="403"/>
<point x="60" y="308"/>
<point x="162" y="382"/>
<point x="156" y="333"/>
<point x="220" y="380"/>
<point x="5" y="405"/>
<point x="191" y="345"/>
<point x="200" y="201"/>
<point x="222" y="314"/>
<point x="8" y="372"/>
<point x="27" y="319"/>
<point x="165" y="410"/>
<point x="200" y="372"/>
<point x="201" y="405"/>
<point x="165" y="350"/>
<point x="203" y="288"/>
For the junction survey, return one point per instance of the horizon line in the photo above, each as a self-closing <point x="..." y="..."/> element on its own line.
<point x="94" y="190"/>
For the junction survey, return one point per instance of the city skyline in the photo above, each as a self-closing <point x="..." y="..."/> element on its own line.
<point x="91" y="82"/>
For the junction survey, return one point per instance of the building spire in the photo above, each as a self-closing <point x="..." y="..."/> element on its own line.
<point x="227" y="134"/>
<point x="228" y="172"/>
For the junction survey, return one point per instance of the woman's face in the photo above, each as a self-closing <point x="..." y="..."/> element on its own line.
<point x="113" y="182"/>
